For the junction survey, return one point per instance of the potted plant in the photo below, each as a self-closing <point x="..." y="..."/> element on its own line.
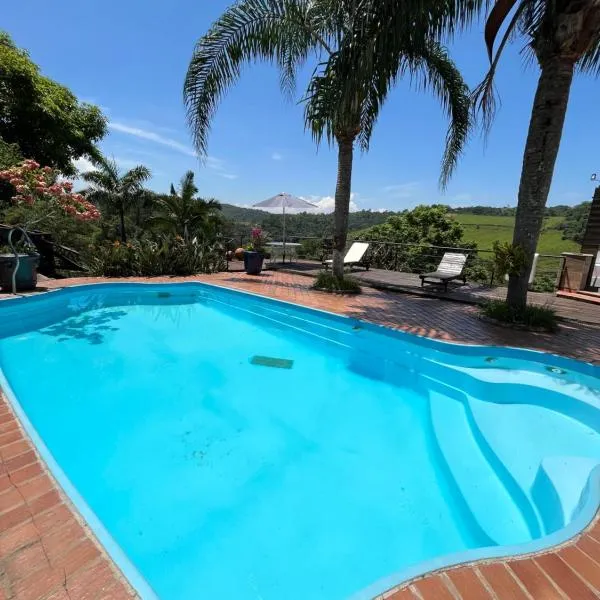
<point x="254" y="253"/>
<point x="18" y="266"/>
<point x="40" y="188"/>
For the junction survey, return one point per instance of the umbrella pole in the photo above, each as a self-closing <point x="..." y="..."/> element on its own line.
<point x="284" y="233"/>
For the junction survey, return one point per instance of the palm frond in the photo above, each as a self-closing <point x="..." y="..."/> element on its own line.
<point x="134" y="178"/>
<point x="433" y="69"/>
<point x="271" y="30"/>
<point x="99" y="179"/>
<point x="484" y="95"/>
<point x="496" y="18"/>
<point x="590" y="63"/>
<point x="188" y="189"/>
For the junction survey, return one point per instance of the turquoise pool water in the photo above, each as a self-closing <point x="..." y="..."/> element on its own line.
<point x="374" y="452"/>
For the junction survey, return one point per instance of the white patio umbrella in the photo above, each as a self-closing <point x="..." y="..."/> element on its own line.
<point x="284" y="201"/>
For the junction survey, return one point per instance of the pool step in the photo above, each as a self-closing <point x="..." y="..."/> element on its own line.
<point x="559" y="487"/>
<point x="549" y="455"/>
<point x="487" y="498"/>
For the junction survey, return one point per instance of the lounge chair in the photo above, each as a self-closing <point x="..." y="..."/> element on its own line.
<point x="354" y="256"/>
<point x="450" y="268"/>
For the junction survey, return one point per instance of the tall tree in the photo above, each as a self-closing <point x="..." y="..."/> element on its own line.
<point x="114" y="190"/>
<point x="563" y="36"/>
<point x="42" y="117"/>
<point x="351" y="80"/>
<point x="183" y="213"/>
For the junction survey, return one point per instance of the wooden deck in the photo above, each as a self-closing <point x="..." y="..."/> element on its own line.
<point x="471" y="293"/>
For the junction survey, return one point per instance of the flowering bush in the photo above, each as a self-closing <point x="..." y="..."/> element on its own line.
<point x="34" y="184"/>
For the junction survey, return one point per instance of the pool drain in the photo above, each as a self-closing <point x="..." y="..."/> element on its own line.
<point x="556" y="370"/>
<point x="268" y="361"/>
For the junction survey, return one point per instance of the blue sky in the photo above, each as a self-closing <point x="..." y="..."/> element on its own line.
<point x="130" y="57"/>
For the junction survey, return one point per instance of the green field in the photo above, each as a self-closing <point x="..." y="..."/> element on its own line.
<point x="486" y="229"/>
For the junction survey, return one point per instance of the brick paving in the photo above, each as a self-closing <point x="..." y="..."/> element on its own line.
<point x="47" y="552"/>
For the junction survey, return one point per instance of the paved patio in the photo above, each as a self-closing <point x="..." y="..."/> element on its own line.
<point x="46" y="552"/>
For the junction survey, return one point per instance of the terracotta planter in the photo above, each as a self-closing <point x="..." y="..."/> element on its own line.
<point x="26" y="274"/>
<point x="253" y="262"/>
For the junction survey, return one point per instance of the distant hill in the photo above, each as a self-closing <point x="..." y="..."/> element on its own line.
<point x="241" y="220"/>
<point x="563" y="225"/>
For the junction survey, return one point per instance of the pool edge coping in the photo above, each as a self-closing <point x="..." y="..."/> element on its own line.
<point x="588" y="515"/>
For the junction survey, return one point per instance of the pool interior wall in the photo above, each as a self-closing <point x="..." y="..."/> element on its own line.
<point x="375" y="452"/>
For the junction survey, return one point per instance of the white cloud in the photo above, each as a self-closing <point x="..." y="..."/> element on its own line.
<point x="83" y="165"/>
<point x="276" y="156"/>
<point x="326" y="204"/>
<point x="218" y="166"/>
<point x="402" y="190"/>
<point x="211" y="162"/>
<point x="152" y="136"/>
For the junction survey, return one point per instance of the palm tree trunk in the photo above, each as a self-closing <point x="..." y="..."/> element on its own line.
<point x="122" y="217"/>
<point x="541" y="149"/>
<point x="342" y="202"/>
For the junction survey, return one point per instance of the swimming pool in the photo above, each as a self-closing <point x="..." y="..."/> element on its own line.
<point x="357" y="457"/>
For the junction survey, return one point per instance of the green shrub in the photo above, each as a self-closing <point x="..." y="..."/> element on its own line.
<point x="479" y="270"/>
<point x="544" y="283"/>
<point x="311" y="248"/>
<point x="161" y="256"/>
<point x="534" y="317"/>
<point x="328" y="282"/>
<point x="509" y="259"/>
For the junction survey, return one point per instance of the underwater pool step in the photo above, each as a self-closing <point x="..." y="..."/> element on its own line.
<point x="491" y="505"/>
<point x="559" y="487"/>
<point x="546" y="452"/>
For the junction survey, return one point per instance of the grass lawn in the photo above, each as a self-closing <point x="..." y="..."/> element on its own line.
<point x="486" y="229"/>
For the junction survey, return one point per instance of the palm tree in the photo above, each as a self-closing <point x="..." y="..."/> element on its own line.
<point x="350" y="82"/>
<point x="183" y="213"/>
<point x="115" y="190"/>
<point x="563" y="36"/>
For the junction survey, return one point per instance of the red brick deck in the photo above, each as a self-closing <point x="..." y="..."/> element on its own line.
<point x="46" y="552"/>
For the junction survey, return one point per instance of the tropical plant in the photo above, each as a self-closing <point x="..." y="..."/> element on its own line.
<point x="183" y="213"/>
<point x="113" y="190"/>
<point x="351" y="80"/>
<point x="42" y="117"/>
<point x="563" y="36"/>
<point x="162" y="255"/>
<point x="509" y="259"/>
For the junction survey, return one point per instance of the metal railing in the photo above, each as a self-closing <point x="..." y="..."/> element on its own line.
<point x="410" y="257"/>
